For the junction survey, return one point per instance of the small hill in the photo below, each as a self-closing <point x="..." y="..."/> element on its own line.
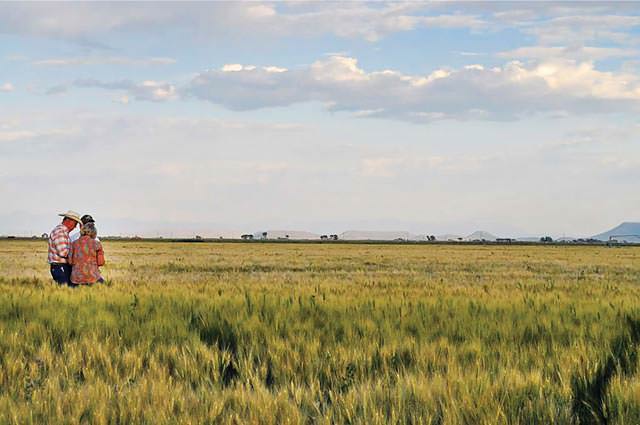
<point x="371" y="235"/>
<point x="622" y="232"/>
<point x="566" y="239"/>
<point x="480" y="235"/>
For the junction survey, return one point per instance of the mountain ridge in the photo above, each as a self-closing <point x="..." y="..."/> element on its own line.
<point x="626" y="231"/>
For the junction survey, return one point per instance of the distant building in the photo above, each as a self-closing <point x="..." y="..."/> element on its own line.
<point x="247" y="237"/>
<point x="333" y="237"/>
<point x="504" y="240"/>
<point x="44" y="236"/>
<point x="324" y="237"/>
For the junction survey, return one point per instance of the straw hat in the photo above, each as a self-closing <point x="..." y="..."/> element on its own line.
<point x="72" y="215"/>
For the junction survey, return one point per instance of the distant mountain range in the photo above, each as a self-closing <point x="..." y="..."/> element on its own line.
<point x="627" y="231"/>
<point x="363" y="235"/>
<point x="374" y="235"/>
<point x="478" y="235"/>
<point x="27" y="225"/>
<point x="288" y="234"/>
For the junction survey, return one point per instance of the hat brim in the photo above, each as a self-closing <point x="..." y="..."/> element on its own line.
<point x="76" y="219"/>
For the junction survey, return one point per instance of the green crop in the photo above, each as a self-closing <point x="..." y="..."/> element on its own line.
<point x="322" y="334"/>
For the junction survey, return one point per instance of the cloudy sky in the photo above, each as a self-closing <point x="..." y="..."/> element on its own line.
<point x="169" y="118"/>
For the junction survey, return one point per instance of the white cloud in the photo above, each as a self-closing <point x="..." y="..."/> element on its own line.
<point x="16" y="58"/>
<point x="124" y="100"/>
<point x="410" y="164"/>
<point x="88" y="23"/>
<point x="365" y="113"/>
<point x="582" y="80"/>
<point x="222" y="171"/>
<point x="154" y="91"/>
<point x="103" y="60"/>
<point x="274" y="69"/>
<point x="12" y="136"/>
<point x="15" y="135"/>
<point x="232" y="67"/>
<point x="577" y="53"/>
<point x="379" y="167"/>
<point x="454" y="21"/>
<point x="261" y="11"/>
<point x="620" y="162"/>
<point x="84" y="22"/>
<point x="463" y="53"/>
<point x="390" y="166"/>
<point x="6" y="87"/>
<point x="515" y="16"/>
<point x="551" y="24"/>
<point x="359" y="20"/>
<point x="579" y="29"/>
<point x="594" y="137"/>
<point x="472" y="92"/>
<point x="57" y="89"/>
<point x="337" y="68"/>
<point x="229" y="167"/>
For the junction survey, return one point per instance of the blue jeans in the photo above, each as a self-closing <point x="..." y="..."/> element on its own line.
<point x="61" y="273"/>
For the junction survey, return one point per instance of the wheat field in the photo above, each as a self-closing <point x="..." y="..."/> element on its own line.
<point x="235" y="333"/>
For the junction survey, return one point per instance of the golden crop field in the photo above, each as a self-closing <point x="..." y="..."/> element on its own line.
<point x="320" y="333"/>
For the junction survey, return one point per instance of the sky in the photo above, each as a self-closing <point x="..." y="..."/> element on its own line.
<point x="220" y="118"/>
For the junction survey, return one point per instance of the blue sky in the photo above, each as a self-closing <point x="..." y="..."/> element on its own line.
<point x="218" y="118"/>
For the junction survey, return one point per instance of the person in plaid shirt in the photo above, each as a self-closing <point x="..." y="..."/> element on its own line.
<point x="59" y="246"/>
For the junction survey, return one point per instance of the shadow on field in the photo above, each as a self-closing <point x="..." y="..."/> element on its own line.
<point x="217" y="331"/>
<point x="591" y="403"/>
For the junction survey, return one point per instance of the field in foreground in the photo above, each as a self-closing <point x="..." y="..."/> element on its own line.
<point x="278" y="333"/>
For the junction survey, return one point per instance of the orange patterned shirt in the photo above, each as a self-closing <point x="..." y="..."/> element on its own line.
<point x="86" y="256"/>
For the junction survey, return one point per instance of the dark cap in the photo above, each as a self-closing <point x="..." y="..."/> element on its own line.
<point x="87" y="219"/>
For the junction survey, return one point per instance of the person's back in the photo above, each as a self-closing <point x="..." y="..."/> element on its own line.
<point x="86" y="256"/>
<point x="59" y="247"/>
<point x="85" y="219"/>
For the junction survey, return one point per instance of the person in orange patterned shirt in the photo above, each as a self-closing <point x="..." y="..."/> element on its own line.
<point x="86" y="257"/>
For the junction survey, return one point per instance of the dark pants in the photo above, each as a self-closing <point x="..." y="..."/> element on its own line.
<point x="61" y="273"/>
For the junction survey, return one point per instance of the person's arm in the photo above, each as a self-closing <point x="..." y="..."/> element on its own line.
<point x="70" y="257"/>
<point x="100" y="254"/>
<point x="62" y="245"/>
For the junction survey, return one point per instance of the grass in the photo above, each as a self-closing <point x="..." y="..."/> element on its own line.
<point x="360" y="334"/>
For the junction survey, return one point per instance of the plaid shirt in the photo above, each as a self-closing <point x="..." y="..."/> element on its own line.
<point x="59" y="244"/>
